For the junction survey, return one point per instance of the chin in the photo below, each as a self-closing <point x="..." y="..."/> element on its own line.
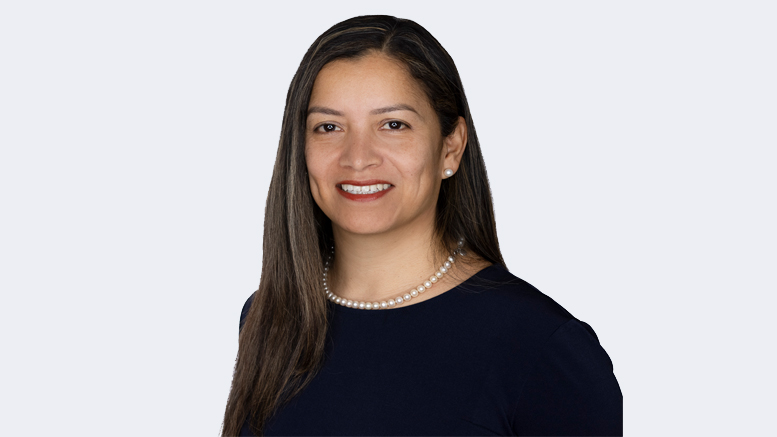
<point x="363" y="223"/>
<point x="362" y="228"/>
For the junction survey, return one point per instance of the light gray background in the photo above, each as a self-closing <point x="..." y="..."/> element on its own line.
<point x="630" y="146"/>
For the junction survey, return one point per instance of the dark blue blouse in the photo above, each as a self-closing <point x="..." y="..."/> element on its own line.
<point x="492" y="356"/>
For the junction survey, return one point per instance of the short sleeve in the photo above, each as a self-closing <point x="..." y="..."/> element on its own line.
<point x="244" y="312"/>
<point x="572" y="389"/>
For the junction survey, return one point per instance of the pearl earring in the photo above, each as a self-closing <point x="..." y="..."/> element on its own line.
<point x="448" y="172"/>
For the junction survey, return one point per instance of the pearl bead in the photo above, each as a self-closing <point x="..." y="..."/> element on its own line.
<point x="448" y="172"/>
<point x="399" y="299"/>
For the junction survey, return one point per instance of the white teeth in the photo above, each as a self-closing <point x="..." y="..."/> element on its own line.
<point x="364" y="189"/>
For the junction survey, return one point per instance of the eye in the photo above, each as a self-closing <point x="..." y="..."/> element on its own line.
<point x="327" y="127"/>
<point x="395" y="125"/>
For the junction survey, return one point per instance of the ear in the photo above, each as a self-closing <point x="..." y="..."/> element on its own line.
<point x="454" y="145"/>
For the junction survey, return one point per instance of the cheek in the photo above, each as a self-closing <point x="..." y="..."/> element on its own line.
<point x="314" y="172"/>
<point x="318" y="170"/>
<point x="421" y="165"/>
<point x="427" y="160"/>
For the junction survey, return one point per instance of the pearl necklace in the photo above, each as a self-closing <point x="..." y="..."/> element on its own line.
<point x="397" y="300"/>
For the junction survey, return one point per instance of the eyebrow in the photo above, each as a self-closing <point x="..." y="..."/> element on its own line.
<point x="400" y="107"/>
<point x="324" y="110"/>
<point x="330" y="111"/>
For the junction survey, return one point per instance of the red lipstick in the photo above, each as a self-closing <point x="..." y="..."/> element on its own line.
<point x="363" y="197"/>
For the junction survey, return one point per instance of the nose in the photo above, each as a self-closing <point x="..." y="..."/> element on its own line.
<point x="360" y="150"/>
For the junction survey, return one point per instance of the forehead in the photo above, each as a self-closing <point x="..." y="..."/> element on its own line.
<point x="370" y="80"/>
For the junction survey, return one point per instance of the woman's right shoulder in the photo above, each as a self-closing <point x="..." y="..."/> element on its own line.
<point x="244" y="311"/>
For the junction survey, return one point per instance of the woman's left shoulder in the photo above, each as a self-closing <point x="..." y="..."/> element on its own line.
<point x="558" y="378"/>
<point x="505" y="299"/>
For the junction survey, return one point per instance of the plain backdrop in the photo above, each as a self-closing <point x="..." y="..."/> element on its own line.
<point x="630" y="148"/>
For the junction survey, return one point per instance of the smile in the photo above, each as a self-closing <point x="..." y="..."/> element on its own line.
<point x="364" y="189"/>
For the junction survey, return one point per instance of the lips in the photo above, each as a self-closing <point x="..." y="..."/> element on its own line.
<point x="364" y="191"/>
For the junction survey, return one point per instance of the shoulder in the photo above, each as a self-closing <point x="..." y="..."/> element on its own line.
<point x="560" y="379"/>
<point x="244" y="311"/>
<point x="571" y="389"/>
<point x="513" y="314"/>
<point x="497" y="297"/>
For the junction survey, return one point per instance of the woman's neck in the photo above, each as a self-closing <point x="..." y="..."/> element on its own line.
<point x="382" y="266"/>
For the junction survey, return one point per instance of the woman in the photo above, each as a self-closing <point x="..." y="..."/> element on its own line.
<point x="385" y="307"/>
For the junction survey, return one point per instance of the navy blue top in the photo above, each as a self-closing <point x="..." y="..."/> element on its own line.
<point x="492" y="356"/>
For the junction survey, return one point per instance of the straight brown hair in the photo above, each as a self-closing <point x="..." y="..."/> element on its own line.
<point x="281" y="344"/>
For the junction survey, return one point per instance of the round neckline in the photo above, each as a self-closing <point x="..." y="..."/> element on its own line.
<point x="419" y="304"/>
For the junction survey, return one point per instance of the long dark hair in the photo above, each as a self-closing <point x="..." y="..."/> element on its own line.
<point x="281" y="345"/>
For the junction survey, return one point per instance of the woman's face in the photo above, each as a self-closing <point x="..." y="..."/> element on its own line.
<point x="374" y="151"/>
